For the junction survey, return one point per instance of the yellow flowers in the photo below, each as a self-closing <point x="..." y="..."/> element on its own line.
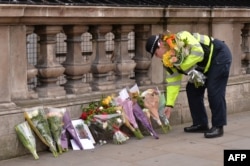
<point x="169" y="58"/>
<point x="106" y="101"/>
<point x="178" y="50"/>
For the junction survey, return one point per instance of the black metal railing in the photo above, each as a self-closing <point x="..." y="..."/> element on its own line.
<point x="163" y="3"/>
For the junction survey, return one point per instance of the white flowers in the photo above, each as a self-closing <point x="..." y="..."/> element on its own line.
<point x="118" y="111"/>
<point x="119" y="137"/>
<point x="119" y="121"/>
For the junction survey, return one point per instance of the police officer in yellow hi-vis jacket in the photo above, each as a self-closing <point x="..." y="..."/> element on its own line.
<point x="206" y="62"/>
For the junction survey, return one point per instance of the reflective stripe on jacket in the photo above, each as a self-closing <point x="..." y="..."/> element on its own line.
<point x="208" y="48"/>
<point x="196" y="55"/>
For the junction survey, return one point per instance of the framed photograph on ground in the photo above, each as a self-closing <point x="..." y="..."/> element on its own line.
<point x="83" y="133"/>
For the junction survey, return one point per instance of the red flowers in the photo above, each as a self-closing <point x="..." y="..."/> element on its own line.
<point x="84" y="116"/>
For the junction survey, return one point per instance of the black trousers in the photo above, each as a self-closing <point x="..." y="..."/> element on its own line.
<point x="216" y="82"/>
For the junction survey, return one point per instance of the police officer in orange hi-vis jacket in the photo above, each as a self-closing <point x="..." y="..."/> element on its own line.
<point x="206" y="62"/>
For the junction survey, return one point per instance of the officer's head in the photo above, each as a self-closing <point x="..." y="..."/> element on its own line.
<point x="156" y="46"/>
<point x="152" y="44"/>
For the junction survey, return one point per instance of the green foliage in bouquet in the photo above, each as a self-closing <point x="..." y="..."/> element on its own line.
<point x="136" y="131"/>
<point x="112" y="122"/>
<point x="137" y="98"/>
<point x="152" y="103"/>
<point x="27" y="138"/>
<point x="38" y="122"/>
<point x="54" y="118"/>
<point x="103" y="117"/>
<point x="101" y="107"/>
<point x="166" y="125"/>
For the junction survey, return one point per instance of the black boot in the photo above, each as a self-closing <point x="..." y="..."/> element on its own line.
<point x="196" y="129"/>
<point x="214" y="132"/>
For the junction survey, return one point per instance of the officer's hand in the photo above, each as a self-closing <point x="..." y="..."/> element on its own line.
<point x="167" y="111"/>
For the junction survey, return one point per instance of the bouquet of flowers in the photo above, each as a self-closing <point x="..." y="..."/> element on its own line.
<point x="162" y="115"/>
<point x="27" y="138"/>
<point x="68" y="127"/>
<point x="103" y="117"/>
<point x="151" y="100"/>
<point x="196" y="77"/>
<point x="128" y="115"/>
<point x="104" y="106"/>
<point x="112" y="122"/>
<point x="54" y="117"/>
<point x="37" y="120"/>
<point x="178" y="50"/>
<point x="140" y="116"/>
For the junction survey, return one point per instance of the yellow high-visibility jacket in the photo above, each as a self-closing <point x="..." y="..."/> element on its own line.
<point x="196" y="55"/>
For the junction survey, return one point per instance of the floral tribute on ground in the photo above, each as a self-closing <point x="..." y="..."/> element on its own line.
<point x="53" y="127"/>
<point x="113" y="118"/>
<point x="105" y="118"/>
<point x="27" y="138"/>
<point x="130" y="108"/>
<point x="39" y="123"/>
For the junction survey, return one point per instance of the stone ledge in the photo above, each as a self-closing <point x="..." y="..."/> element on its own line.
<point x="59" y="15"/>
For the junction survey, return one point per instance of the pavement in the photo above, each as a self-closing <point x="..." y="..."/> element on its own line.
<point x="173" y="149"/>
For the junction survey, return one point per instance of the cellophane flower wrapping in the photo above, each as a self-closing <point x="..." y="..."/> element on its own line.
<point x="140" y="116"/>
<point x="112" y="122"/>
<point x="164" y="119"/>
<point x="128" y="116"/>
<point x="196" y="77"/>
<point x="64" y="140"/>
<point x="154" y="102"/>
<point x="68" y="127"/>
<point x="27" y="138"/>
<point x="119" y="137"/>
<point x="99" y="116"/>
<point x="36" y="118"/>
<point x="55" y="120"/>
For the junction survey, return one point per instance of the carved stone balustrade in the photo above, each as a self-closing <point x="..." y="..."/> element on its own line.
<point x="124" y="64"/>
<point x="75" y="64"/>
<point x="246" y="46"/>
<point x="102" y="66"/>
<point x="31" y="70"/>
<point x="141" y="58"/>
<point x="49" y="69"/>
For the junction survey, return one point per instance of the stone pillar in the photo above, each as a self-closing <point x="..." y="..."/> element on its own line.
<point x="75" y="64"/>
<point x="49" y="70"/>
<point x="141" y="58"/>
<point x="124" y="64"/>
<point x="102" y="65"/>
<point x="18" y="57"/>
<point x="31" y="70"/>
<point x="5" y="69"/>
